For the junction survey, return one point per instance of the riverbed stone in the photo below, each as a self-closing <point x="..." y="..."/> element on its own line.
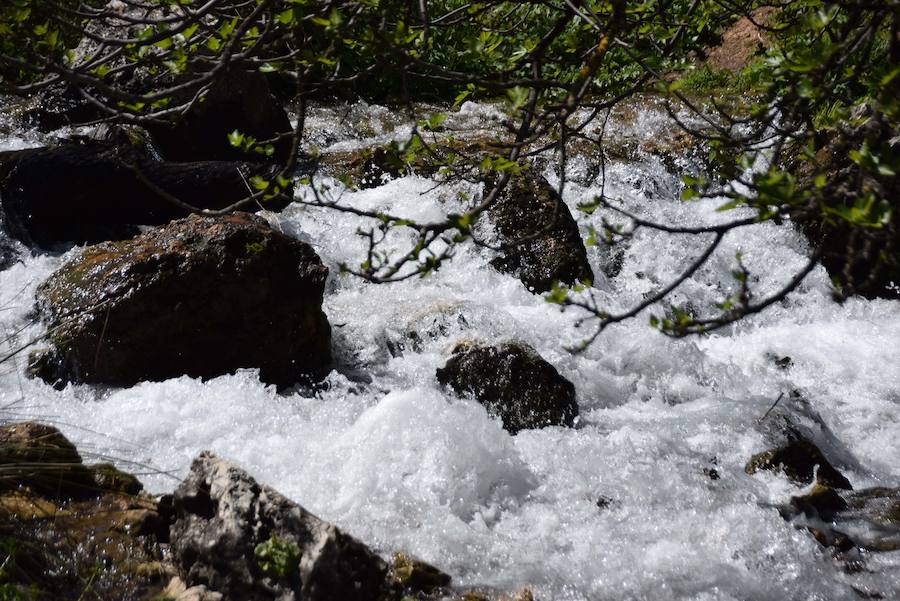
<point x="66" y="534"/>
<point x="822" y="501"/>
<point x="95" y="194"/>
<point x="38" y="457"/>
<point x="541" y="238"/>
<point x="203" y="296"/>
<point x="109" y="477"/>
<point x="801" y="461"/>
<point x="514" y="383"/>
<point x="247" y="541"/>
<point x="409" y="574"/>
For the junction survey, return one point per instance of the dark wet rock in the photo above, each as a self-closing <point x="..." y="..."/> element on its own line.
<point x="864" y="260"/>
<point x="529" y="209"/>
<point x="711" y="473"/>
<point x="109" y="477"/>
<point x="39" y="457"/>
<point x="531" y="212"/>
<point x="784" y="363"/>
<point x="514" y="383"/>
<point x="95" y="194"/>
<point x="239" y="100"/>
<point x="799" y="460"/>
<point x="9" y="254"/>
<point x="57" y="106"/>
<point x="203" y="296"/>
<point x="828" y="537"/>
<point x="821" y="501"/>
<point x="412" y="575"/>
<point x="247" y="541"/>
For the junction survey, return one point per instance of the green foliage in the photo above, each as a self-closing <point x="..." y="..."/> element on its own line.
<point x="277" y="557"/>
<point x="543" y="60"/>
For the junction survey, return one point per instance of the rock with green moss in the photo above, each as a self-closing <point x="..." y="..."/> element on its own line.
<point x="109" y="477"/>
<point x="411" y="575"/>
<point x="514" y="383"/>
<point x="65" y="537"/>
<point x="203" y="296"/>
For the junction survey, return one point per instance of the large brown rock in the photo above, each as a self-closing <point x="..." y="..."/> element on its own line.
<point x="203" y="296"/>
<point x="94" y="194"/>
<point x="542" y="238"/>
<point x="247" y="541"/>
<point x="514" y="383"/>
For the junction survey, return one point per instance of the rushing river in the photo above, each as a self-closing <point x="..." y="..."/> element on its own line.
<point x="402" y="464"/>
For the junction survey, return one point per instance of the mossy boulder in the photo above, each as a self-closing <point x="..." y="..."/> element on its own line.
<point x="542" y="244"/>
<point x="203" y="296"/>
<point x="514" y="383"/>
<point x="801" y="461"/>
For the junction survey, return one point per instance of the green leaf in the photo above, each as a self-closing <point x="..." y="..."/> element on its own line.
<point x="236" y="138"/>
<point x="285" y="17"/>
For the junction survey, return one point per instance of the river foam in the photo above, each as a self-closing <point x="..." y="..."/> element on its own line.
<point x="388" y="455"/>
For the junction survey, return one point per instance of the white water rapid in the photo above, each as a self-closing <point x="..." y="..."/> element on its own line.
<point x="402" y="464"/>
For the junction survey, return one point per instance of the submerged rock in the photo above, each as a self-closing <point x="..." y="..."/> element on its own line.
<point x="801" y="461"/>
<point x="247" y="541"/>
<point x="880" y="505"/>
<point x="514" y="383"/>
<point x="544" y="243"/>
<point x="203" y="296"/>
<point x="822" y="501"/>
<point x="94" y="194"/>
<point x="9" y="254"/>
